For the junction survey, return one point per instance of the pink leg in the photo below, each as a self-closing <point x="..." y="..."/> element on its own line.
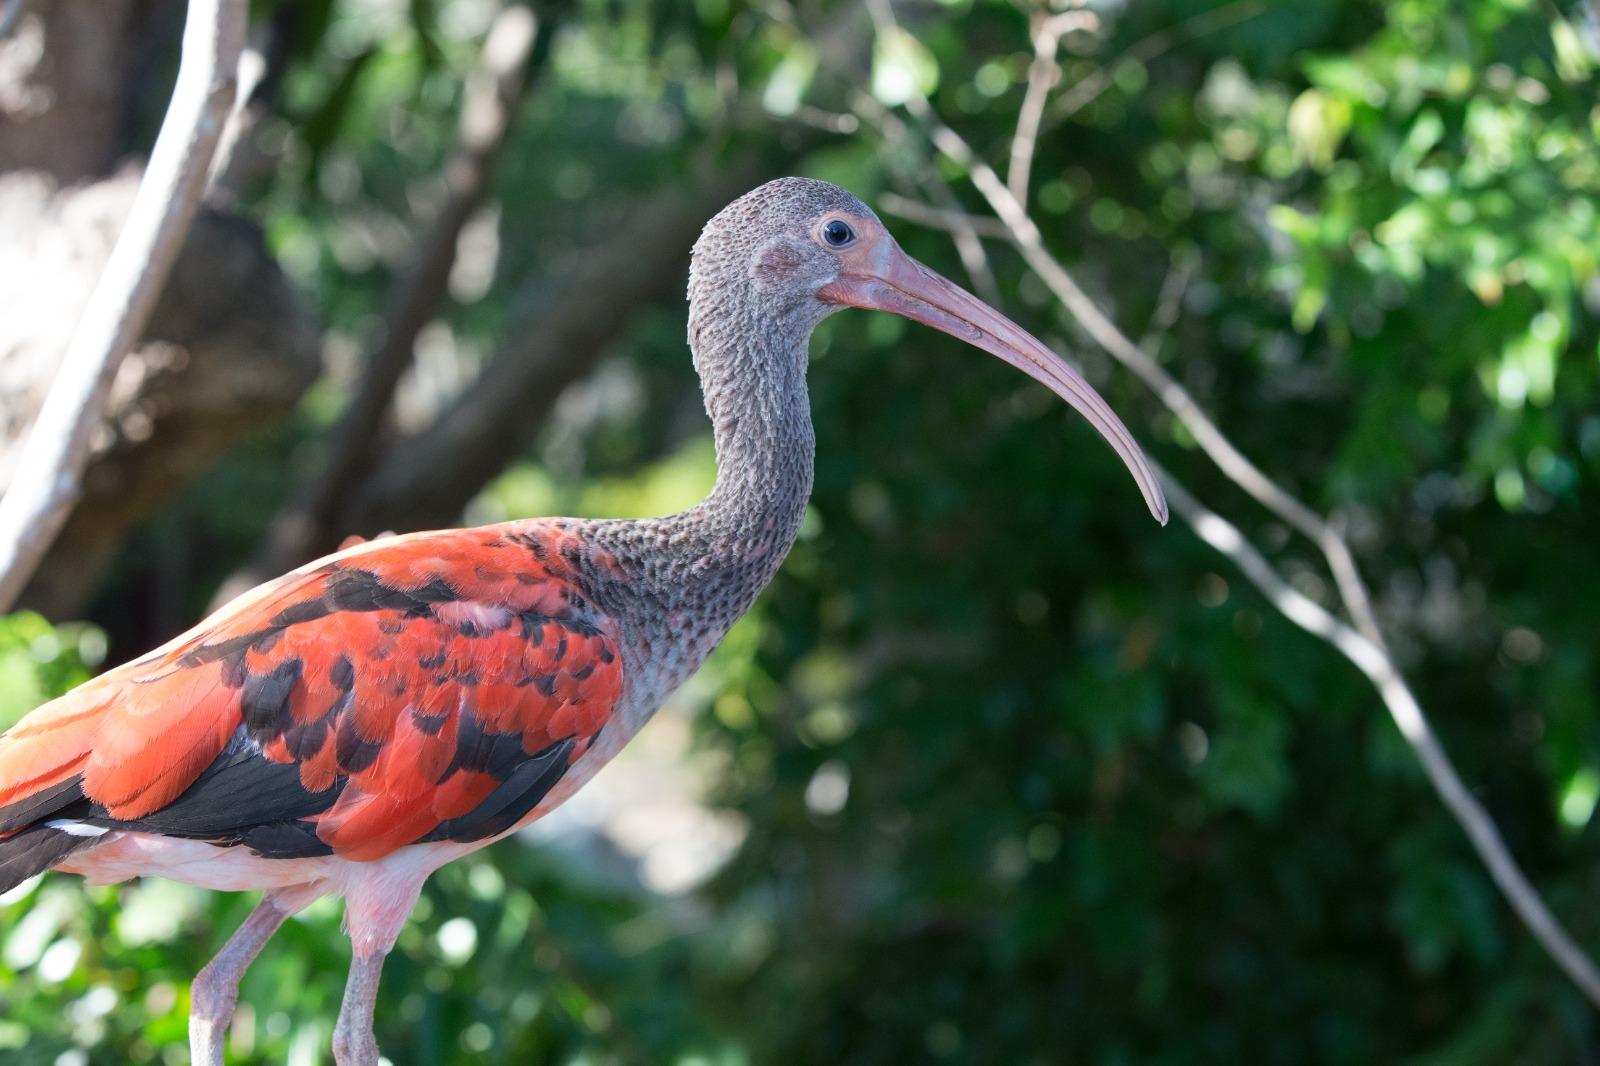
<point x="215" y="991"/>
<point x="354" y="1043"/>
<point x="374" y="913"/>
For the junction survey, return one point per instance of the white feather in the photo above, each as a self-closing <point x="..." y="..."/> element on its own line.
<point x="77" y="829"/>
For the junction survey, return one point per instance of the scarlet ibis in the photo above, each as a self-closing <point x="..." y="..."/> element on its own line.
<point x="354" y="725"/>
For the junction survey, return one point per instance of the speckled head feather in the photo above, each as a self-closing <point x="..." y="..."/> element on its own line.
<point x="766" y="239"/>
<point x="758" y="263"/>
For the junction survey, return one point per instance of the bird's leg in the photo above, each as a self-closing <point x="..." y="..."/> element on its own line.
<point x="354" y="1043"/>
<point x="375" y="910"/>
<point x="215" y="991"/>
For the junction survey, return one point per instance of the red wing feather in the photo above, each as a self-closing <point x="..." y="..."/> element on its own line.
<point x="418" y="687"/>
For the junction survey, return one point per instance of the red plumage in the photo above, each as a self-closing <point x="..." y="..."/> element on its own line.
<point x="405" y="681"/>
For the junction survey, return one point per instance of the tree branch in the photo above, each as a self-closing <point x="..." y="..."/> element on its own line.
<point x="1373" y="660"/>
<point x="252" y="73"/>
<point x="942" y="218"/>
<point x="49" y="477"/>
<point x="1366" y="648"/>
<point x="1043" y="73"/>
<point x="228" y="348"/>
<point x="1024" y="233"/>
<point x="961" y="226"/>
<point x="1362" y="644"/>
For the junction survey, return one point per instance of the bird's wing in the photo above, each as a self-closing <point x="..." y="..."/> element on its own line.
<point x="427" y="687"/>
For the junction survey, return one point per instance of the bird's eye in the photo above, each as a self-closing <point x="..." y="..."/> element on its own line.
<point x="837" y="233"/>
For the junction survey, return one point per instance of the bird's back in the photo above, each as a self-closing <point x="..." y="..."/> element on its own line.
<point x="431" y="687"/>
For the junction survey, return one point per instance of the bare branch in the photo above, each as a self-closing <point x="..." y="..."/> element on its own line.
<point x="974" y="259"/>
<point x="1169" y="302"/>
<point x="1373" y="660"/>
<point x="1222" y="451"/>
<point x="229" y="347"/>
<point x="941" y="218"/>
<point x="1043" y="74"/>
<point x="252" y="72"/>
<point x="1367" y="652"/>
<point x="1365" y="648"/>
<point x="1025" y="234"/>
<point x="48" y="481"/>
<point x="827" y="121"/>
<point x="961" y="226"/>
<point x="247" y="157"/>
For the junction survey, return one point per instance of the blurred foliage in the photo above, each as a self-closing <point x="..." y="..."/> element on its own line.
<point x="39" y="661"/>
<point x="1025" y="778"/>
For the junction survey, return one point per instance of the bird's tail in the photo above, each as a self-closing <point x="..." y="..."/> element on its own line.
<point x="33" y="851"/>
<point x="29" y="842"/>
<point x="41" y="783"/>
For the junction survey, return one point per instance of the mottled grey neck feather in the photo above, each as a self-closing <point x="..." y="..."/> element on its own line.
<point x="751" y="358"/>
<point x="750" y="320"/>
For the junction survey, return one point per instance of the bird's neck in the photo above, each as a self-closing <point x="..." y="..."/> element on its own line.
<point x="705" y="566"/>
<point x="761" y="422"/>
<point x="753" y="373"/>
<point x="691" y="575"/>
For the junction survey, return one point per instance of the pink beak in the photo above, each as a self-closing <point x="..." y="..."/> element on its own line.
<point x="886" y="279"/>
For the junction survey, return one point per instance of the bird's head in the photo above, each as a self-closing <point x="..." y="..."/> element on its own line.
<point x="801" y="249"/>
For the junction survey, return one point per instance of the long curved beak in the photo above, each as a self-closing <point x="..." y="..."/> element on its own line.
<point x="884" y="278"/>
